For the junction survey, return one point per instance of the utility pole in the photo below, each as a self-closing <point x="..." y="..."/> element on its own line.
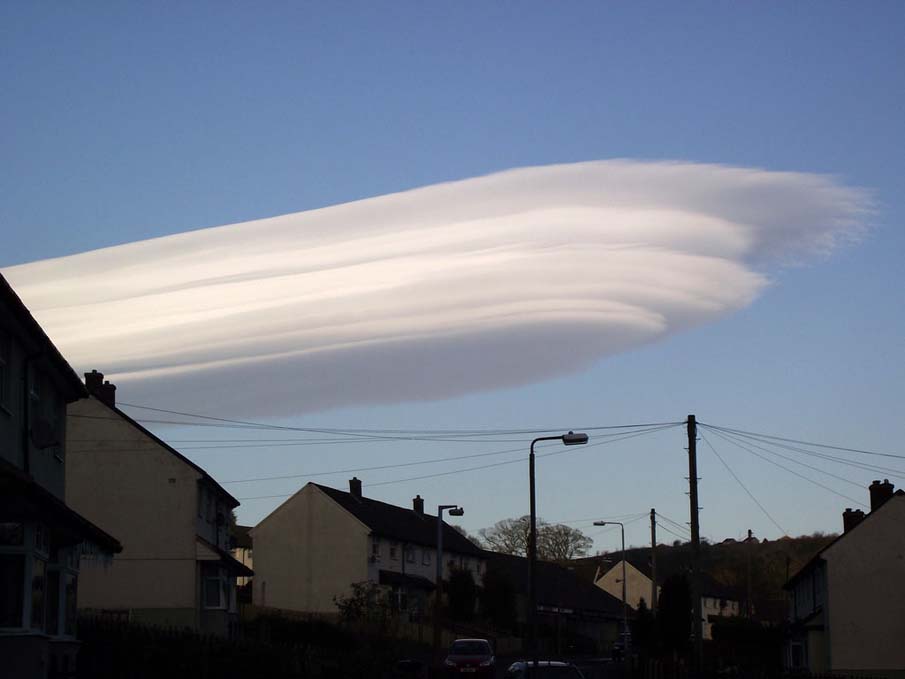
<point x="653" y="561"/>
<point x="698" y="627"/>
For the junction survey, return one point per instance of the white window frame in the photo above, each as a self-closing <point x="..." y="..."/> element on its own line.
<point x="36" y="547"/>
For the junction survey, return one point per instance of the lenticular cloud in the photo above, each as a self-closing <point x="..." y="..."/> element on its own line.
<point x="477" y="284"/>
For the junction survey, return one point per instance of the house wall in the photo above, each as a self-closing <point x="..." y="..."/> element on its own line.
<point x="638" y="585"/>
<point x="866" y="595"/>
<point x="383" y="560"/>
<point x="308" y="551"/>
<point x="133" y="488"/>
<point x="45" y="402"/>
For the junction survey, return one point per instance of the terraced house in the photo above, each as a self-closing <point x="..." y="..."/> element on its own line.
<point x="321" y="541"/>
<point x="175" y="569"/>
<point x="46" y="548"/>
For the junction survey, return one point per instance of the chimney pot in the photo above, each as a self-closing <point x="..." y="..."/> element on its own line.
<point x="851" y="518"/>
<point x="880" y="493"/>
<point x="355" y="487"/>
<point x="100" y="388"/>
<point x="418" y="505"/>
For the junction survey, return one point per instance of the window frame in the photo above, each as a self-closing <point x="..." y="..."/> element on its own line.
<point x="37" y="548"/>
<point x="6" y="344"/>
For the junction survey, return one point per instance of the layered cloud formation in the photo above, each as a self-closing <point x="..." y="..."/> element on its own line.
<point x="478" y="284"/>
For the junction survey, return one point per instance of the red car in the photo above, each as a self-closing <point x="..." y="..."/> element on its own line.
<point x="470" y="658"/>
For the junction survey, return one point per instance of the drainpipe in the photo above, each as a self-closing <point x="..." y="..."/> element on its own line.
<point x="26" y="411"/>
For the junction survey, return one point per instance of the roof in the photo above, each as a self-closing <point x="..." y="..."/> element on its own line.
<point x="241" y="537"/>
<point x="669" y="563"/>
<point x="205" y="477"/>
<point x="23" y="497"/>
<point x="556" y="585"/>
<point x="400" y="523"/>
<point x="817" y="558"/>
<point x="233" y="565"/>
<point x="74" y="385"/>
<point x="410" y="581"/>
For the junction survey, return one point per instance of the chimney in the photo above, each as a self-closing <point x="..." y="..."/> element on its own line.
<point x="355" y="487"/>
<point x="851" y="518"/>
<point x="879" y="494"/>
<point x="102" y="390"/>
<point x="418" y="505"/>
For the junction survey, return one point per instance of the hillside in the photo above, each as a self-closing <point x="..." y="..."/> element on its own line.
<point x="726" y="565"/>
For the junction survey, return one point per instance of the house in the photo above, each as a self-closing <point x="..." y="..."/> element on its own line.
<point x="46" y="547"/>
<point x="573" y="616"/>
<point x="321" y="541"/>
<point x="847" y="602"/>
<point x="175" y="569"/>
<point x="242" y="551"/>
<point x="717" y="601"/>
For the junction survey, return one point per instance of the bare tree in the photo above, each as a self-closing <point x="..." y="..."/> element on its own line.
<point x="554" y="541"/>
<point x="557" y="542"/>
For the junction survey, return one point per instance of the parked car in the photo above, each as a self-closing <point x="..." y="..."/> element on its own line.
<point x="546" y="669"/>
<point x="471" y="657"/>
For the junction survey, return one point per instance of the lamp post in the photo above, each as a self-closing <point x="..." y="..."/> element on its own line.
<point x="625" y="642"/>
<point x="454" y="510"/>
<point x="570" y="439"/>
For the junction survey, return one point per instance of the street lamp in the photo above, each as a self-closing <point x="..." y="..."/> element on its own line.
<point x="454" y="510"/>
<point x="625" y="643"/>
<point x="570" y="439"/>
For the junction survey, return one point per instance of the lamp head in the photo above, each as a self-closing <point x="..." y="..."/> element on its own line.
<point x="457" y="511"/>
<point x="573" y="439"/>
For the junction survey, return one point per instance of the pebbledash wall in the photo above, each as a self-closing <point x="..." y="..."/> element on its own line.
<point x="866" y="594"/>
<point x="308" y="551"/>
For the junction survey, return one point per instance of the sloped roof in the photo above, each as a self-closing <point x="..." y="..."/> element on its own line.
<point x="241" y="537"/>
<point x="73" y="385"/>
<point x="818" y="556"/>
<point x="556" y="585"/>
<point x="22" y="497"/>
<point x="401" y="524"/>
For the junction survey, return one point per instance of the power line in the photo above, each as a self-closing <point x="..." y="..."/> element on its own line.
<point x="481" y="467"/>
<point x="807" y="443"/>
<point x="684" y="538"/>
<point x="389" y="433"/>
<point x="798" y="462"/>
<point x="791" y="471"/>
<point x="895" y="473"/>
<point x="744" y="487"/>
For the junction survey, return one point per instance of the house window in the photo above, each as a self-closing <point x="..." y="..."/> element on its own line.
<point x="12" y="585"/>
<point x="410" y="554"/>
<point x="38" y="585"/>
<point x="426" y="557"/>
<point x="216" y="594"/>
<point x="394" y="551"/>
<point x="70" y="597"/>
<point x="375" y="549"/>
<point x="12" y="534"/>
<point x="4" y="369"/>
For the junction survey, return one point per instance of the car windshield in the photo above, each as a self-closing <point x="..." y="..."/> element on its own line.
<point x="470" y="648"/>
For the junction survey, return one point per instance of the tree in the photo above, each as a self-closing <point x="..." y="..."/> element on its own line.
<point x="367" y="604"/>
<point x="558" y="542"/>
<point x="674" y="614"/>
<point x="465" y="534"/>
<point x="462" y="593"/>
<point x="554" y="541"/>
<point x="498" y="599"/>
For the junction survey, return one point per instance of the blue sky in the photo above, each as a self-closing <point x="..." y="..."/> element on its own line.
<point x="129" y="121"/>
